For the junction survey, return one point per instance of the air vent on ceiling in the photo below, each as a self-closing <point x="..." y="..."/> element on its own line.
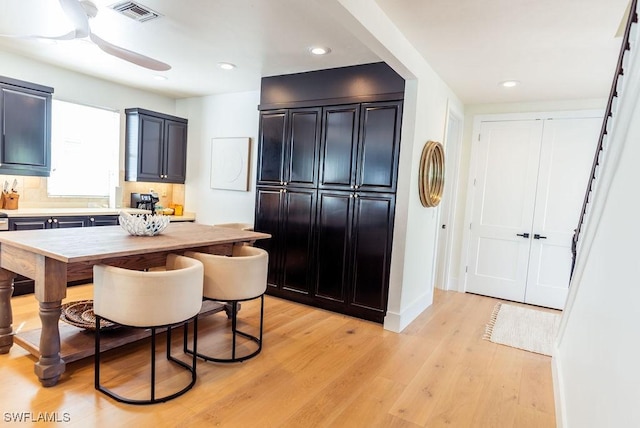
<point x="135" y="11"/>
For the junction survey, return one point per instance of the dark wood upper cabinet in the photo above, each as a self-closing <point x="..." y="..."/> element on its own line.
<point x="288" y="147"/>
<point x="156" y="147"/>
<point x="339" y="146"/>
<point x="360" y="146"/>
<point x="378" y="146"/>
<point x="25" y="128"/>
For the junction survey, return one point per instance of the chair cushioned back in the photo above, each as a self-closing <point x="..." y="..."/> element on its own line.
<point x="146" y="299"/>
<point x="242" y="276"/>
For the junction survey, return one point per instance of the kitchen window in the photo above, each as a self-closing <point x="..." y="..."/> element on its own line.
<point x="84" y="150"/>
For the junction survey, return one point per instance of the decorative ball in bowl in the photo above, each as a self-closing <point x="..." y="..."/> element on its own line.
<point x="143" y="224"/>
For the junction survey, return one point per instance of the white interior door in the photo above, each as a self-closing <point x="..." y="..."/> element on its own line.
<point x="506" y="170"/>
<point x="447" y="210"/>
<point x="568" y="147"/>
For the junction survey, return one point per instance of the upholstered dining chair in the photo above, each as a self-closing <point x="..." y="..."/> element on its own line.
<point x="241" y="226"/>
<point x="150" y="300"/>
<point x="238" y="278"/>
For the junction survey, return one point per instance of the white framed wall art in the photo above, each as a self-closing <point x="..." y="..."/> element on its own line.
<point x="230" y="163"/>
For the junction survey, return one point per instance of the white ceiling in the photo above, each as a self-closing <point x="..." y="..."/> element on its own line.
<point x="558" y="49"/>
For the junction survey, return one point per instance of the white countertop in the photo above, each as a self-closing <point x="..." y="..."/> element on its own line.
<point x="59" y="212"/>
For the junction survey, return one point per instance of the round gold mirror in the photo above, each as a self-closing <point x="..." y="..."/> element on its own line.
<point x="431" y="174"/>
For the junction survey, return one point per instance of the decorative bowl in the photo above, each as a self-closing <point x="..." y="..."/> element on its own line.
<point x="143" y="224"/>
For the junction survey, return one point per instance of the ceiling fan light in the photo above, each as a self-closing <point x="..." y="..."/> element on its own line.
<point x="226" y="65"/>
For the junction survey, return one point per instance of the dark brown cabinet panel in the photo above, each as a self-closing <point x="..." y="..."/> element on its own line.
<point x="333" y="245"/>
<point x="288" y="215"/>
<point x="272" y="147"/>
<point x="371" y="245"/>
<point x="339" y="146"/>
<point x="268" y="220"/>
<point x="360" y="146"/>
<point x="378" y="146"/>
<point x="288" y="151"/>
<point x="104" y="220"/>
<point x="354" y="232"/>
<point x="25" y="128"/>
<point x="156" y="147"/>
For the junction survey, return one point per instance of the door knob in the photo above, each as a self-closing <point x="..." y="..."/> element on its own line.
<point x="537" y="236"/>
<point x="524" y="235"/>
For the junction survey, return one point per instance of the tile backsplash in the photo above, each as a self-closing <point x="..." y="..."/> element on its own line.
<point x="33" y="193"/>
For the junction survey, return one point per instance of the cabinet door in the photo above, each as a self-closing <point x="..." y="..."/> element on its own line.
<point x="268" y="215"/>
<point x="371" y="244"/>
<point x="150" y="142"/>
<point x="303" y="146"/>
<point x="175" y="151"/>
<point x="272" y="147"/>
<point x="333" y="227"/>
<point x="104" y="220"/>
<point x="297" y="239"/>
<point x="26" y="139"/>
<point x="338" y="148"/>
<point x="29" y="223"/>
<point x="379" y="146"/>
<point x="68" y="221"/>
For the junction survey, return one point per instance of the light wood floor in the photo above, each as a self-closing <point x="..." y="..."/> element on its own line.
<point x="317" y="369"/>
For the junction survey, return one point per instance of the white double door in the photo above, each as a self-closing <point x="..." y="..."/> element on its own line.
<point x="530" y="178"/>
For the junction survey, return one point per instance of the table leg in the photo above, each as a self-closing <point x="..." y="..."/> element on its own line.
<point x="50" y="366"/>
<point x="6" y="315"/>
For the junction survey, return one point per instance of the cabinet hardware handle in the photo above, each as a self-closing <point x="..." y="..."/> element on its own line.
<point x="55" y="220"/>
<point x="524" y="235"/>
<point x="537" y="236"/>
<point x="49" y="221"/>
<point x="92" y="219"/>
<point x="355" y="196"/>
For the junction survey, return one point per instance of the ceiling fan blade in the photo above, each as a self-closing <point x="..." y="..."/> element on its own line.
<point x="127" y="55"/>
<point x="69" y="36"/>
<point x="77" y="15"/>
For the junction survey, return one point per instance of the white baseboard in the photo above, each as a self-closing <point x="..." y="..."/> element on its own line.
<point x="396" y="322"/>
<point x="558" y="389"/>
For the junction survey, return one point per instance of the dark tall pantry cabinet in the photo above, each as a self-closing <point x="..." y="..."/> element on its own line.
<point x="326" y="183"/>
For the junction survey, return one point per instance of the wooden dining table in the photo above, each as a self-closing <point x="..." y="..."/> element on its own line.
<point x="54" y="257"/>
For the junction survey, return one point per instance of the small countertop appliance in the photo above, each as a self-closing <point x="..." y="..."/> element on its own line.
<point x="145" y="201"/>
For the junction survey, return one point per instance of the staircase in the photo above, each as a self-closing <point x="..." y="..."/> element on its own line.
<point x="627" y="47"/>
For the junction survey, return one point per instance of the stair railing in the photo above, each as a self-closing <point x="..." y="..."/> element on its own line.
<point x="613" y="94"/>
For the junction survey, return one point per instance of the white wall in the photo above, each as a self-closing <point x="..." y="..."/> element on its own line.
<point x="424" y="116"/>
<point x="227" y="115"/>
<point x="596" y="370"/>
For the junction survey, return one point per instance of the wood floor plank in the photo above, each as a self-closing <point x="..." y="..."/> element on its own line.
<point x="316" y="369"/>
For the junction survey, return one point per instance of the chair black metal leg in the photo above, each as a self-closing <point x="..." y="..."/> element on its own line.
<point x="153" y="364"/>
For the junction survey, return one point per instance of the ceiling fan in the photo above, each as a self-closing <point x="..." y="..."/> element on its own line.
<point x="79" y="12"/>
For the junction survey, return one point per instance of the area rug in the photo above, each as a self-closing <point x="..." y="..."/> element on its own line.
<point x="524" y="328"/>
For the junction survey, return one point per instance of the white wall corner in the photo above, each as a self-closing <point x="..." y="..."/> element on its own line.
<point x="397" y="322"/>
<point x="558" y="389"/>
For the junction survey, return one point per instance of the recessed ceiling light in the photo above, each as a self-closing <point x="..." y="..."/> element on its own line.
<point x="319" y="50"/>
<point x="226" y="65"/>
<point x="509" y="83"/>
<point x="159" y="77"/>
